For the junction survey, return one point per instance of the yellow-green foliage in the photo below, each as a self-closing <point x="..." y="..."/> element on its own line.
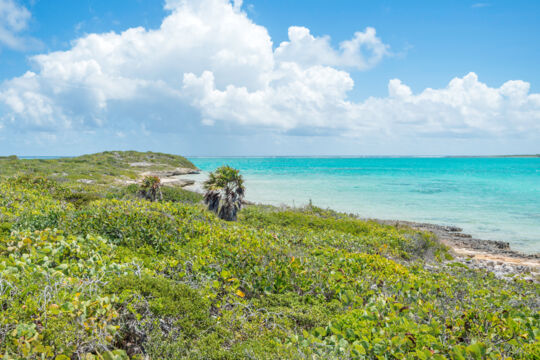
<point x="132" y="278"/>
<point x="52" y="297"/>
<point x="31" y="203"/>
<point x="102" y="167"/>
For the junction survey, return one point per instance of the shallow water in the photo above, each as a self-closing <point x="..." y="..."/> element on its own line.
<point x="490" y="198"/>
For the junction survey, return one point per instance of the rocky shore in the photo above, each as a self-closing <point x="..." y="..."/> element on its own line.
<point x="174" y="177"/>
<point x="491" y="255"/>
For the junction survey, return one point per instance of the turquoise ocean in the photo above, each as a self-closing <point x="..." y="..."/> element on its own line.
<point x="490" y="198"/>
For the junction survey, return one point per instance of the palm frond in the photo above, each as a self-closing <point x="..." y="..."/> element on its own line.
<point x="224" y="192"/>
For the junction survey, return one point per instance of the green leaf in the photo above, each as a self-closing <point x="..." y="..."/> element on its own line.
<point x="478" y="350"/>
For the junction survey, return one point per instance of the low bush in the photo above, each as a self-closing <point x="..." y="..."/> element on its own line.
<point x="123" y="278"/>
<point x="176" y="194"/>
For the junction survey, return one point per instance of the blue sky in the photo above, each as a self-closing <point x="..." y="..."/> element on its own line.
<point x="350" y="109"/>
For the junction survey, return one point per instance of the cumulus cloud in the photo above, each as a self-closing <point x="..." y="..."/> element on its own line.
<point x="14" y="19"/>
<point x="82" y="87"/>
<point x="297" y="97"/>
<point x="362" y="52"/>
<point x="466" y="107"/>
<point x="317" y="98"/>
<point x="209" y="64"/>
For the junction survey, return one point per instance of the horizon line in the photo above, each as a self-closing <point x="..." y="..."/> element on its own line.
<point x="305" y="156"/>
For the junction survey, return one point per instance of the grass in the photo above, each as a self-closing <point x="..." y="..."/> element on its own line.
<point x="90" y="271"/>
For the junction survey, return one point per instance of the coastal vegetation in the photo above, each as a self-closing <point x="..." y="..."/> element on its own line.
<point x="224" y="192"/>
<point x="89" y="270"/>
<point x="150" y="188"/>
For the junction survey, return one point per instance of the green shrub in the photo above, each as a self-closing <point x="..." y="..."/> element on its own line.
<point x="176" y="194"/>
<point x="51" y="296"/>
<point x="81" y="199"/>
<point x="170" y="280"/>
<point x="344" y="231"/>
<point x="5" y="228"/>
<point x="135" y="223"/>
<point x="156" y="309"/>
<point x="170" y="193"/>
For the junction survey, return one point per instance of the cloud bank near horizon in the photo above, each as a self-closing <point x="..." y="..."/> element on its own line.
<point x="210" y="64"/>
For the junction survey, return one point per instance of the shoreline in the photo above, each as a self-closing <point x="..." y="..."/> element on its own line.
<point x="464" y="243"/>
<point x="492" y="255"/>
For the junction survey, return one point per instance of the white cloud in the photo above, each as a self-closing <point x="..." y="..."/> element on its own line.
<point x="82" y="86"/>
<point x="296" y="98"/>
<point x="14" y="19"/>
<point x="209" y="64"/>
<point x="466" y="107"/>
<point x="317" y="98"/>
<point x="362" y="52"/>
<point x="396" y="89"/>
<point x="237" y="4"/>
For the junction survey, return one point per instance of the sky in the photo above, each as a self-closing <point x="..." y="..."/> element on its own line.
<point x="270" y="77"/>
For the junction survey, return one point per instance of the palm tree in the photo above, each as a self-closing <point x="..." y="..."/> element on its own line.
<point x="151" y="188"/>
<point x="224" y="192"/>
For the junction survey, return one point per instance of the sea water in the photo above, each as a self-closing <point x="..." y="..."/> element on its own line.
<point x="490" y="198"/>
